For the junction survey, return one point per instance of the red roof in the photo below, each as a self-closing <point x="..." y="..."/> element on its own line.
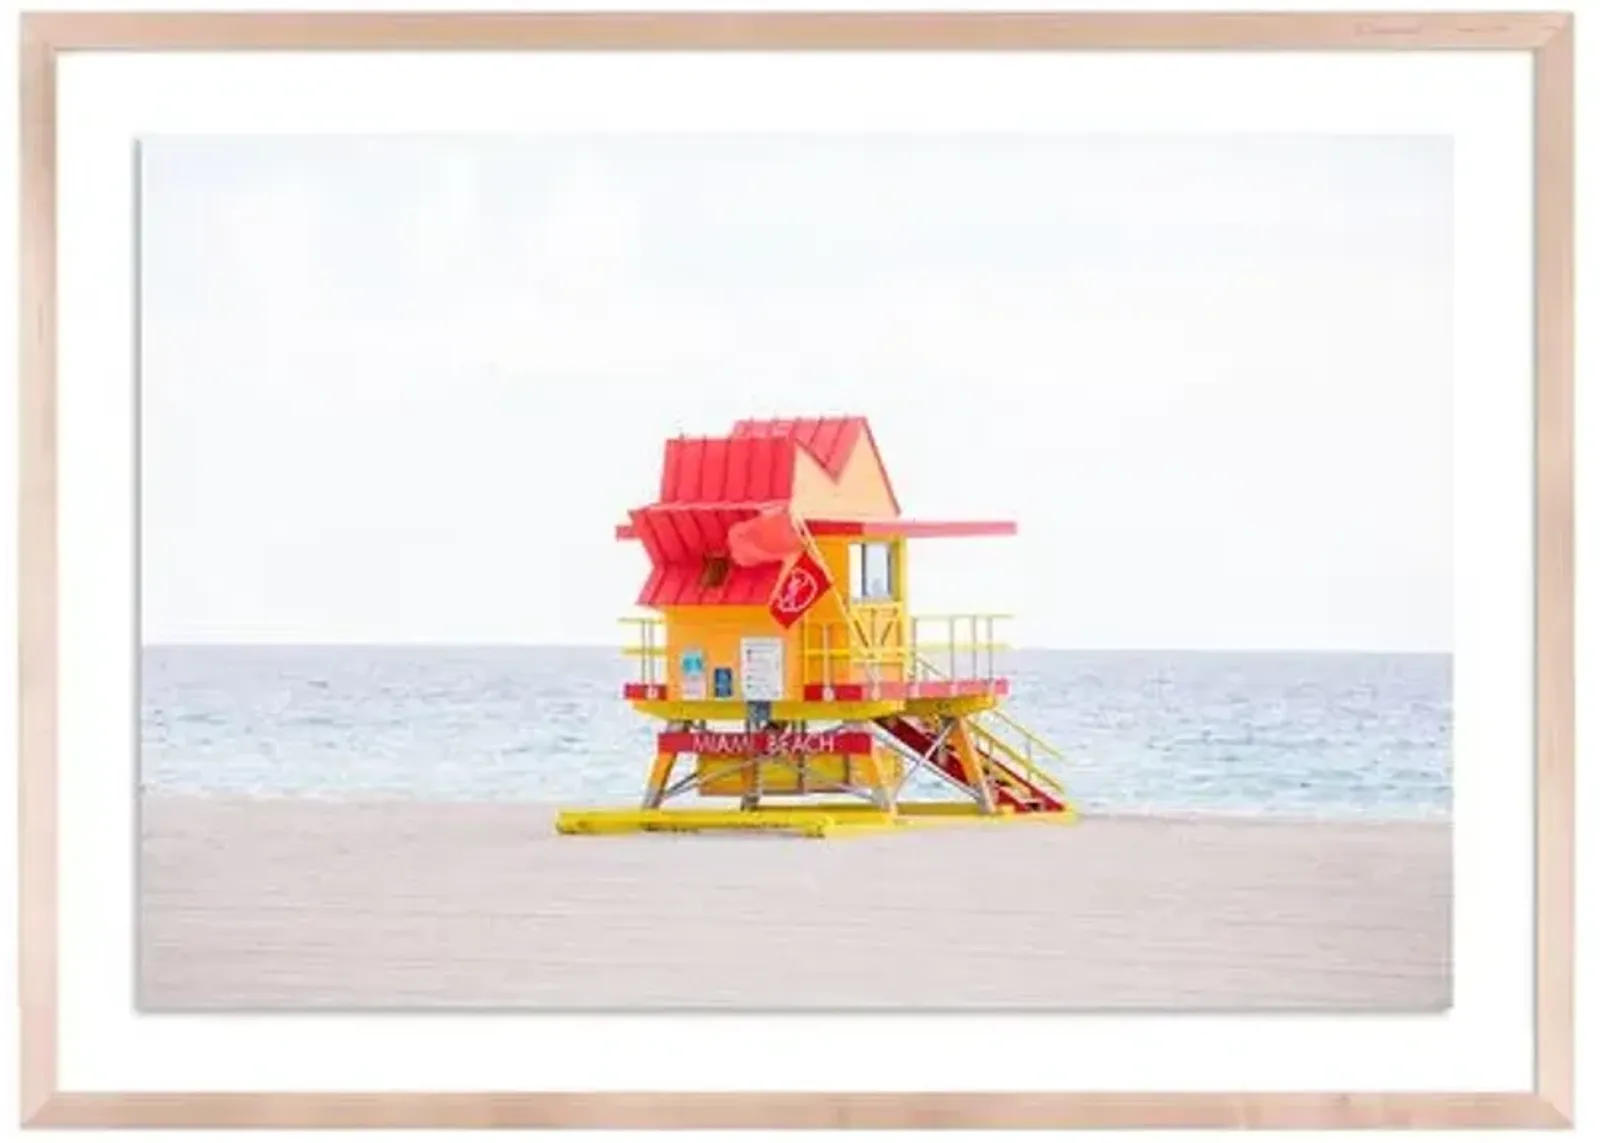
<point x="727" y="470"/>
<point x="682" y="533"/>
<point x="829" y="440"/>
<point x="708" y="484"/>
<point x="678" y="538"/>
<point x="912" y="529"/>
<point x="909" y="529"/>
<point x="681" y="584"/>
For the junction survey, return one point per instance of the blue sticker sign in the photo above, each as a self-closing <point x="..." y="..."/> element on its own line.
<point x="759" y="713"/>
<point x="692" y="674"/>
<point x="722" y="682"/>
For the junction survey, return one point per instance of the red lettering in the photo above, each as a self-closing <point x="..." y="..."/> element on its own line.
<point x="738" y="744"/>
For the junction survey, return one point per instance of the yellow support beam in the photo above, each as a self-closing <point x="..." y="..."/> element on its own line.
<point x="806" y="822"/>
<point x="815" y="821"/>
<point x="660" y="774"/>
<point x="973" y="771"/>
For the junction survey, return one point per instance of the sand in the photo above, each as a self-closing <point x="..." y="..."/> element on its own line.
<point x="302" y="904"/>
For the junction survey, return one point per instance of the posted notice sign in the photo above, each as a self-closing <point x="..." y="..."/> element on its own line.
<point x="761" y="668"/>
<point x="692" y="674"/>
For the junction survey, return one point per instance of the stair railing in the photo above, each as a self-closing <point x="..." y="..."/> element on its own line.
<point x="1023" y="757"/>
<point x="1023" y="760"/>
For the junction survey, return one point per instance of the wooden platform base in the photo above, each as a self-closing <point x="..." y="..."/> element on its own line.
<point x="814" y="820"/>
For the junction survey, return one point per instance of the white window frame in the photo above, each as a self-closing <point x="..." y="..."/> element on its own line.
<point x="861" y="568"/>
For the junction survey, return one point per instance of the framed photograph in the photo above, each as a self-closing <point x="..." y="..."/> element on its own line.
<point x="1087" y="498"/>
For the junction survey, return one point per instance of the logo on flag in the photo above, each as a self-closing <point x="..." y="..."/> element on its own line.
<point x="799" y="588"/>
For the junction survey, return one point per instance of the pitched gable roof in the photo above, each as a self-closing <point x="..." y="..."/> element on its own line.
<point x="726" y="470"/>
<point x="755" y="463"/>
<point x="710" y="483"/>
<point x="831" y="441"/>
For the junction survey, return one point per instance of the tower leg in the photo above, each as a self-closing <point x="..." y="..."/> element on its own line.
<point x="660" y="775"/>
<point x="971" y="763"/>
<point x="751" y="798"/>
<point x="883" y="790"/>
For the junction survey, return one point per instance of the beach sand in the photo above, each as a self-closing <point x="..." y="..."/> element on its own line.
<point x="302" y="904"/>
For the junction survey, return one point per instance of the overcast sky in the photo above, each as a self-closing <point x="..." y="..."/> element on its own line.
<point x="402" y="389"/>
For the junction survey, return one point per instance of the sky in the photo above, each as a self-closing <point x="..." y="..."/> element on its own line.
<point x="401" y="389"/>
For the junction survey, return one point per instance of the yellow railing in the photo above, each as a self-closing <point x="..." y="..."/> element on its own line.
<point x="1022" y="759"/>
<point x="872" y="637"/>
<point x="969" y="643"/>
<point x="879" y="637"/>
<point x="650" y="645"/>
<point x="878" y="627"/>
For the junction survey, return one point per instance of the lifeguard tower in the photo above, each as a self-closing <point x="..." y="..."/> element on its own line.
<point x="782" y="664"/>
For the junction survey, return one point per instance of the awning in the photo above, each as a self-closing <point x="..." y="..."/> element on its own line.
<point x="912" y="529"/>
<point x="680" y="585"/>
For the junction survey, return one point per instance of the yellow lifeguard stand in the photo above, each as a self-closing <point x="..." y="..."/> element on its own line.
<point x="781" y="660"/>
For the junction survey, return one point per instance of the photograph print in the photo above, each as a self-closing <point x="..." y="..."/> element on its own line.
<point x="692" y="571"/>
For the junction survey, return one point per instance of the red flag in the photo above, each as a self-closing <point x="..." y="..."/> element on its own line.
<point x="798" y="589"/>
<point x="765" y="539"/>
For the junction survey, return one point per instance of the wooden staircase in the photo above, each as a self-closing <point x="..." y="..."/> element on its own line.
<point x="1003" y="777"/>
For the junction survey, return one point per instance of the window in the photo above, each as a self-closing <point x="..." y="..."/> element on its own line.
<point x="871" y="571"/>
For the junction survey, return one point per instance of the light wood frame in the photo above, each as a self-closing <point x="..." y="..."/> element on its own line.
<point x="1547" y="36"/>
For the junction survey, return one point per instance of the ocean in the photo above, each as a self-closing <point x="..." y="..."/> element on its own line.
<point x="1318" y="734"/>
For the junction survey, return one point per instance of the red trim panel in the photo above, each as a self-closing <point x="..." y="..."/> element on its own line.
<point x="645" y="692"/>
<point x="734" y="744"/>
<point x="866" y="692"/>
<point x="912" y="528"/>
